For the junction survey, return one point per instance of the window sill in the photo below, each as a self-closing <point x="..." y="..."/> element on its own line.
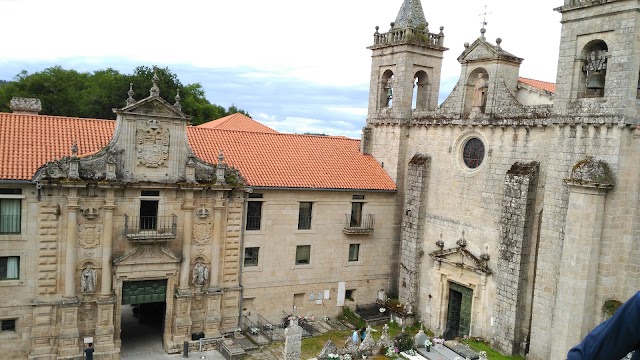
<point x="12" y="237"/>
<point x="9" y="335"/>
<point x="304" y="231"/>
<point x="251" y="268"/>
<point x="354" y="263"/>
<point x="17" y="282"/>
<point x="303" y="266"/>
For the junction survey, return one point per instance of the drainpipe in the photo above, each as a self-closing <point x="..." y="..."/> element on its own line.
<point x="241" y="257"/>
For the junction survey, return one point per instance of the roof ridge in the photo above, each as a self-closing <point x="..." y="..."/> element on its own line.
<point x="275" y="133"/>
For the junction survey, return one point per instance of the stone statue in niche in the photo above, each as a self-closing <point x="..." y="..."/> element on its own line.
<point x="479" y="94"/>
<point x="200" y="273"/>
<point x="152" y="145"/>
<point x="88" y="280"/>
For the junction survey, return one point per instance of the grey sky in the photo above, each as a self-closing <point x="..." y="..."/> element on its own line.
<point x="297" y="66"/>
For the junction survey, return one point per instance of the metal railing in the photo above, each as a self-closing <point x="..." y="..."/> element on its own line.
<point x="151" y="228"/>
<point x="359" y="225"/>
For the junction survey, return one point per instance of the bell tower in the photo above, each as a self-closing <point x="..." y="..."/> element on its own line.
<point x="599" y="60"/>
<point x="406" y="65"/>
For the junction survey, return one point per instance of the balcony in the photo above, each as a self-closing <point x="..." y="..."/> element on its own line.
<point x="150" y="229"/>
<point x="358" y="226"/>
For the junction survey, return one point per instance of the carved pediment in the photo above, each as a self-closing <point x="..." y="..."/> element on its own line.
<point x="483" y="50"/>
<point x="147" y="254"/>
<point x="154" y="106"/>
<point x="463" y="258"/>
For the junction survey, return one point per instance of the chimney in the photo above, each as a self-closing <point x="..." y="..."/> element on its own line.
<point x="20" y="105"/>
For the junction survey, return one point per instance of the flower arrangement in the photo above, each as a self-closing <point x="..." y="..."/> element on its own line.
<point x="411" y="352"/>
<point x="391" y="351"/>
<point x="438" y="341"/>
<point x="427" y="343"/>
<point x="483" y="354"/>
<point x="340" y="357"/>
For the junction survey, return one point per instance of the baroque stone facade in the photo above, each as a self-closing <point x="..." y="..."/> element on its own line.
<point x="500" y="206"/>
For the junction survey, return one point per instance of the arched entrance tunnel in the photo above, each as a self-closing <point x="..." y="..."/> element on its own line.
<point x="143" y="317"/>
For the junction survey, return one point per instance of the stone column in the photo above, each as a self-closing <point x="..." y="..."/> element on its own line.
<point x="218" y="208"/>
<point x="574" y="314"/>
<point x="185" y="270"/>
<point x="71" y="243"/>
<point x="107" y="244"/>
<point x="104" y="335"/>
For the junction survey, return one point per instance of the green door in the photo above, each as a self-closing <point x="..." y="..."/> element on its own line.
<point x="458" y="312"/>
<point x="144" y="292"/>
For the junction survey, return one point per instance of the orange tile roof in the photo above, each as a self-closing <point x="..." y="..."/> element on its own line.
<point x="542" y="85"/>
<point x="29" y="141"/>
<point x="296" y="161"/>
<point x="237" y="122"/>
<point x="263" y="159"/>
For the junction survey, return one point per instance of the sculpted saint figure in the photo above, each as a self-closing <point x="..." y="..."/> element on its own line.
<point x="200" y="273"/>
<point x="88" y="280"/>
<point x="480" y="93"/>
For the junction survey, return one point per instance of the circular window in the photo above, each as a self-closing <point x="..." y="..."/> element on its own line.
<point x="473" y="153"/>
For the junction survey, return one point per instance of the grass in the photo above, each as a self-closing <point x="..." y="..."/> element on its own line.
<point x="491" y="354"/>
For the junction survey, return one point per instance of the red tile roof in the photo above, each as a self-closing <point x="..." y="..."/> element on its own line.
<point x="263" y="159"/>
<point x="237" y="122"/>
<point x="296" y="161"/>
<point x="29" y="141"/>
<point x="542" y="85"/>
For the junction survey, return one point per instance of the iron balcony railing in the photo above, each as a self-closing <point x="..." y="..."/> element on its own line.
<point x="359" y="225"/>
<point x="150" y="228"/>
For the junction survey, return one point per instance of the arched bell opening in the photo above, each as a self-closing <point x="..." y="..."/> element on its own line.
<point x="386" y="90"/>
<point x="594" y="71"/>
<point x="421" y="91"/>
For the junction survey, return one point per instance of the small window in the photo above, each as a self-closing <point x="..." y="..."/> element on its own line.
<point x="150" y="193"/>
<point x="303" y="255"/>
<point x="9" y="267"/>
<point x="349" y="294"/>
<point x="358" y="197"/>
<point x="473" y="153"/>
<point x="255" y="196"/>
<point x="354" y="252"/>
<point x="251" y="256"/>
<point x="254" y="215"/>
<point x="9" y="325"/>
<point x="304" y="216"/>
<point x="10" y="216"/>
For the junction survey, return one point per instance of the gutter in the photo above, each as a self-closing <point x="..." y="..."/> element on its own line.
<point x="241" y="257"/>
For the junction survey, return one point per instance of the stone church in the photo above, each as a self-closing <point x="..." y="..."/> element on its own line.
<point x="506" y="212"/>
<point x="517" y="211"/>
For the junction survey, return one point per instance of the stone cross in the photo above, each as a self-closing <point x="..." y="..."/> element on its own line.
<point x="293" y="341"/>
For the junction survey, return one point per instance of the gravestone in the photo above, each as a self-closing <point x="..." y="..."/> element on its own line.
<point x="329" y="348"/>
<point x="367" y="345"/>
<point x="293" y="341"/>
<point x="385" y="340"/>
<point x="419" y="339"/>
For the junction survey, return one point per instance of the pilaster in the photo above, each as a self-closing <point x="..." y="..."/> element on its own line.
<point x="69" y="346"/>
<point x="182" y="324"/>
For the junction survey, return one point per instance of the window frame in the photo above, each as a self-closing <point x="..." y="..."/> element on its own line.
<point x="13" y="321"/>
<point x="5" y="276"/>
<point x="22" y="268"/>
<point x="297" y="261"/>
<point x="18" y="197"/>
<point x="257" y="257"/>
<point x="308" y="217"/>
<point x="355" y="220"/>
<point x="357" y="253"/>
<point x="254" y="198"/>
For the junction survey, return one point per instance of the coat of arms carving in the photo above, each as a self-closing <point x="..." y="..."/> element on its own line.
<point x="89" y="235"/>
<point x="202" y="232"/>
<point x="152" y="145"/>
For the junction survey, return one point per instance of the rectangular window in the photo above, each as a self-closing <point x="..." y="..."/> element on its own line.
<point x="9" y="325"/>
<point x="303" y="255"/>
<point x="9" y="267"/>
<point x="304" y="216"/>
<point x="354" y="252"/>
<point x="254" y="215"/>
<point x="356" y="214"/>
<point x="10" y="210"/>
<point x="251" y="256"/>
<point x="148" y="214"/>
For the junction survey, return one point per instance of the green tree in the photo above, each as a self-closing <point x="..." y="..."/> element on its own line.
<point x="94" y="95"/>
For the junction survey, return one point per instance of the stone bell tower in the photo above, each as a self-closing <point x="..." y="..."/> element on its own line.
<point x="599" y="61"/>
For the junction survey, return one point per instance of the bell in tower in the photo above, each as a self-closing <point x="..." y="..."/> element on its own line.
<point x="595" y="69"/>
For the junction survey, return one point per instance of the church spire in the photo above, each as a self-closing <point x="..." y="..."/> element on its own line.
<point x="410" y="15"/>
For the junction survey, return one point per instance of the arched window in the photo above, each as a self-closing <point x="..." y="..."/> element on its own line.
<point x="420" y="91"/>
<point x="386" y="90"/>
<point x="594" y="70"/>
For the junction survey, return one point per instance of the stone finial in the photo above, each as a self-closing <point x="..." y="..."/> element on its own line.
<point x="441" y="31"/>
<point x="74" y="149"/>
<point x="155" y="90"/>
<point x="221" y="157"/>
<point x="130" y="99"/>
<point x="440" y="243"/>
<point x="482" y="32"/>
<point x="177" y="103"/>
<point x="498" y="42"/>
<point x="462" y="242"/>
<point x="377" y="28"/>
<point x="392" y="24"/>
<point x="20" y="105"/>
<point x="466" y="45"/>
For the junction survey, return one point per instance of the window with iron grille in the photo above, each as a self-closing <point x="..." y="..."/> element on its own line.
<point x="9" y="325"/>
<point x="304" y="216"/>
<point x="254" y="215"/>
